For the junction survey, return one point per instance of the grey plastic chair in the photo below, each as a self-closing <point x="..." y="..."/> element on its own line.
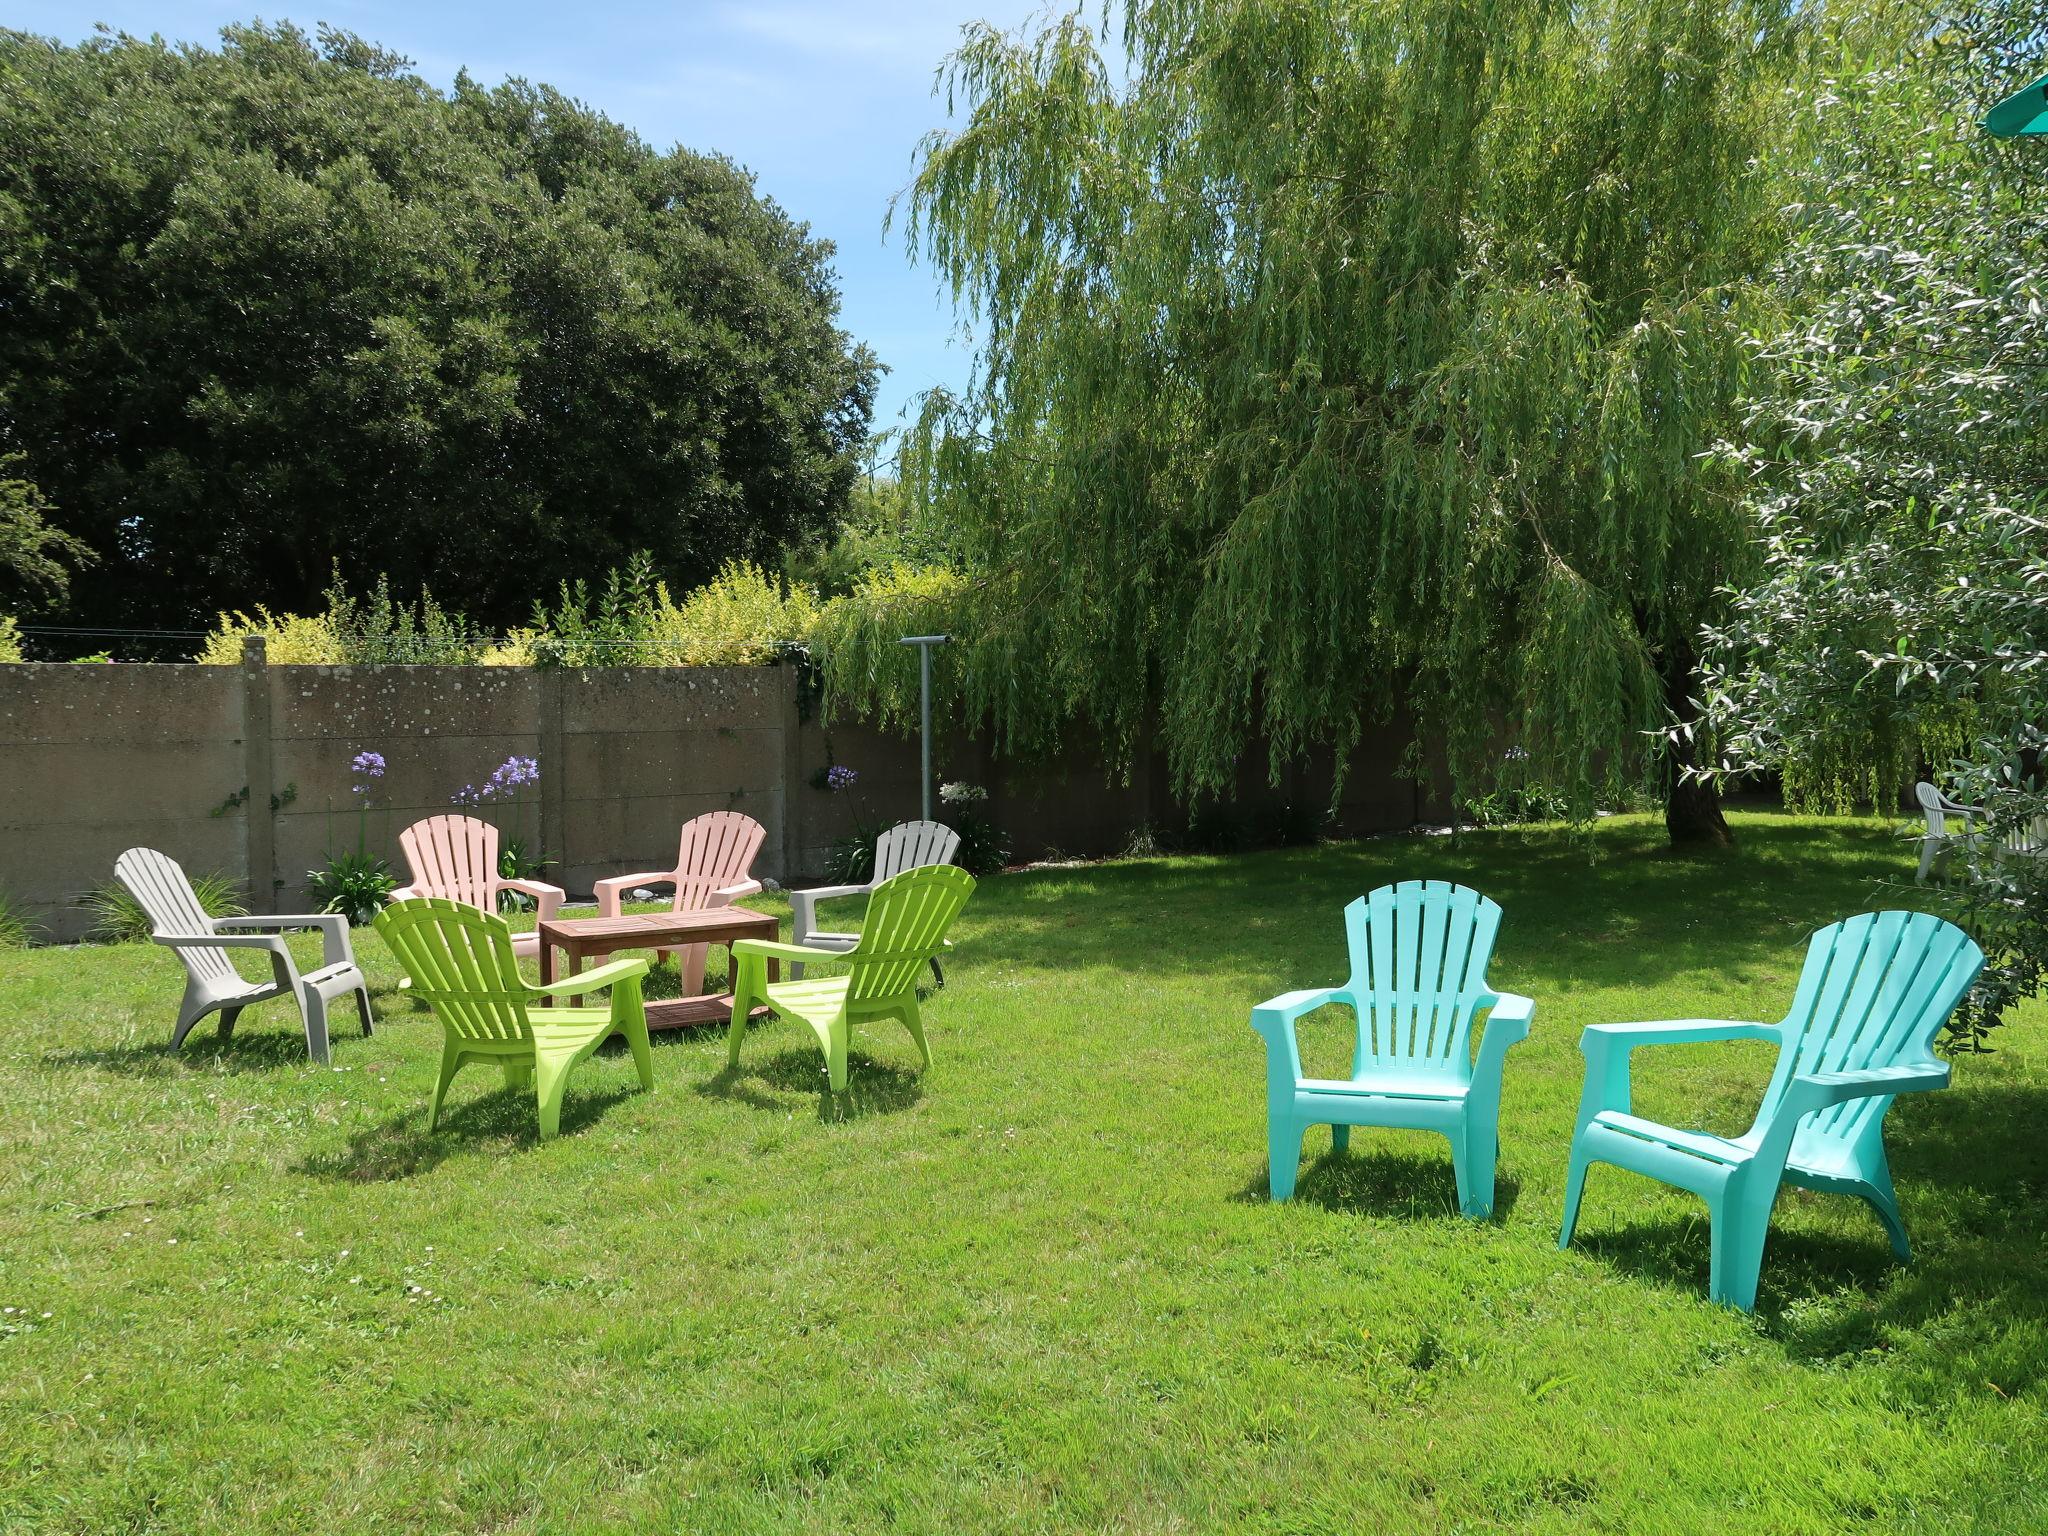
<point x="907" y="845"/>
<point x="203" y="943"/>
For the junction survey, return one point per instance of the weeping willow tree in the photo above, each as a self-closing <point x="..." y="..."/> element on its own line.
<point x="1340" y="357"/>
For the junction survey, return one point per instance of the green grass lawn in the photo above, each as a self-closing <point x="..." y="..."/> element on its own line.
<point x="1037" y="1289"/>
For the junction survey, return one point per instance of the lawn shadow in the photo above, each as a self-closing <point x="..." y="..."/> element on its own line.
<point x="1971" y="1170"/>
<point x="872" y="1087"/>
<point x="1378" y="1181"/>
<point x="246" y="1050"/>
<point x="1632" y="913"/>
<point x="402" y="1146"/>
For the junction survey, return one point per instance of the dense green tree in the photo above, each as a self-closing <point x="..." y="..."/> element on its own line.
<point x="36" y="559"/>
<point x="1900" y="463"/>
<point x="282" y="302"/>
<point x="1343" y="355"/>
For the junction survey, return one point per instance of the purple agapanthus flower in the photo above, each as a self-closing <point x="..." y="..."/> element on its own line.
<point x="366" y="766"/>
<point x="839" y="776"/>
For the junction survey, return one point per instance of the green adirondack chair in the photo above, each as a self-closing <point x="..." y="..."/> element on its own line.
<point x="460" y="961"/>
<point x="1418" y="981"/>
<point x="905" y="927"/>
<point x="1861" y="1030"/>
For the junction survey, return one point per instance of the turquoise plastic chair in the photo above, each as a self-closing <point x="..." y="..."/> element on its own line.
<point x="1418" y="982"/>
<point x="1861" y="1030"/>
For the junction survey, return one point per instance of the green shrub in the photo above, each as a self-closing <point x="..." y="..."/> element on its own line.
<point x="15" y="928"/>
<point x="353" y="884"/>
<point x="10" y="638"/>
<point x="118" y="917"/>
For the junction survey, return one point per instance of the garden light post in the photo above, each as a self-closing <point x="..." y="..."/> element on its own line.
<point x="924" y="644"/>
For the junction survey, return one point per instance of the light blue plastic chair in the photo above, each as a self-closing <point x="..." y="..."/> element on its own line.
<point x="1861" y="1030"/>
<point x="1418" y="983"/>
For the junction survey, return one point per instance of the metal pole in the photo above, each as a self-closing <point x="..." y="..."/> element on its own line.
<point x="924" y="644"/>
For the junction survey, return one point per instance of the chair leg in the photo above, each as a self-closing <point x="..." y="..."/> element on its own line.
<point x="363" y="1008"/>
<point x="313" y="1009"/>
<point x="635" y="1031"/>
<point x="693" y="969"/>
<point x="1574" y="1190"/>
<point x="1283" y="1154"/>
<point x="550" y="1081"/>
<point x="191" y="1009"/>
<point x="938" y="976"/>
<point x="451" y="1063"/>
<point x="835" y="1056"/>
<point x="749" y="980"/>
<point x="1340" y="1138"/>
<point x="1474" y="1152"/>
<point x="1737" y="1249"/>
<point x="915" y="1024"/>
<point x="1878" y="1192"/>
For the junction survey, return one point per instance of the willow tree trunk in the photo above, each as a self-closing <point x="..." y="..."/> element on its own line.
<point x="1692" y="806"/>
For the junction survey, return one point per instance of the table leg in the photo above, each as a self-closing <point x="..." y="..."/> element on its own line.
<point x="547" y="960"/>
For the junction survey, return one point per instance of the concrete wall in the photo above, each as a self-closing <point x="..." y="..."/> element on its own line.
<point x="246" y="770"/>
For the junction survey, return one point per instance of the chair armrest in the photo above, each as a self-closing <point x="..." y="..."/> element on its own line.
<point x="334" y="939"/>
<point x="548" y="898"/>
<point x="804" y="904"/>
<point x="1275" y="1019"/>
<point x="272" y="944"/>
<point x="1817" y="1090"/>
<point x="1673" y="1032"/>
<point x="773" y="949"/>
<point x="1607" y="1048"/>
<point x="401" y="893"/>
<point x="611" y="893"/>
<point x="589" y="981"/>
<point x="1512" y="1012"/>
<point x="727" y="893"/>
<point x="1289" y="1006"/>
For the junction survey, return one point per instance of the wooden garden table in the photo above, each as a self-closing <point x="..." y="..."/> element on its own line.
<point x="582" y="938"/>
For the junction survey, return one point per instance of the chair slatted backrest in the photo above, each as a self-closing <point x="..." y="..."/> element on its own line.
<point x="905" y="926"/>
<point x="158" y="883"/>
<point x="1419" y="952"/>
<point x="460" y="961"/>
<point x="717" y="850"/>
<point x="1874" y="991"/>
<point x="913" y="845"/>
<point x="455" y="857"/>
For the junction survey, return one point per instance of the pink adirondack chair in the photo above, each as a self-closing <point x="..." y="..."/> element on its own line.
<point x="456" y="858"/>
<point x="714" y="866"/>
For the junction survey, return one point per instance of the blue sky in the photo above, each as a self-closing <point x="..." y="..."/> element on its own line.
<point x="824" y="102"/>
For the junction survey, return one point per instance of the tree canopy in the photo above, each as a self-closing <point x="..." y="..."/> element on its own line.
<point x="1900" y="463"/>
<point x="282" y="303"/>
<point x="1345" y="356"/>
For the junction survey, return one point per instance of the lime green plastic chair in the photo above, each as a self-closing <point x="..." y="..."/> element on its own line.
<point x="1861" y="1030"/>
<point x="905" y="927"/>
<point x="460" y="961"/>
<point x="1419" y="952"/>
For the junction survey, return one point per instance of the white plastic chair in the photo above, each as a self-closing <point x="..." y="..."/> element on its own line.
<point x="1938" y="842"/>
<point x="907" y="845"/>
<point x="203" y="944"/>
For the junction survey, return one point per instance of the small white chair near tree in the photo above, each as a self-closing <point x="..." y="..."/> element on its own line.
<point x="456" y="859"/>
<point x="714" y="868"/>
<point x="907" y="845"/>
<point x="204" y="944"/>
<point x="1941" y="839"/>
